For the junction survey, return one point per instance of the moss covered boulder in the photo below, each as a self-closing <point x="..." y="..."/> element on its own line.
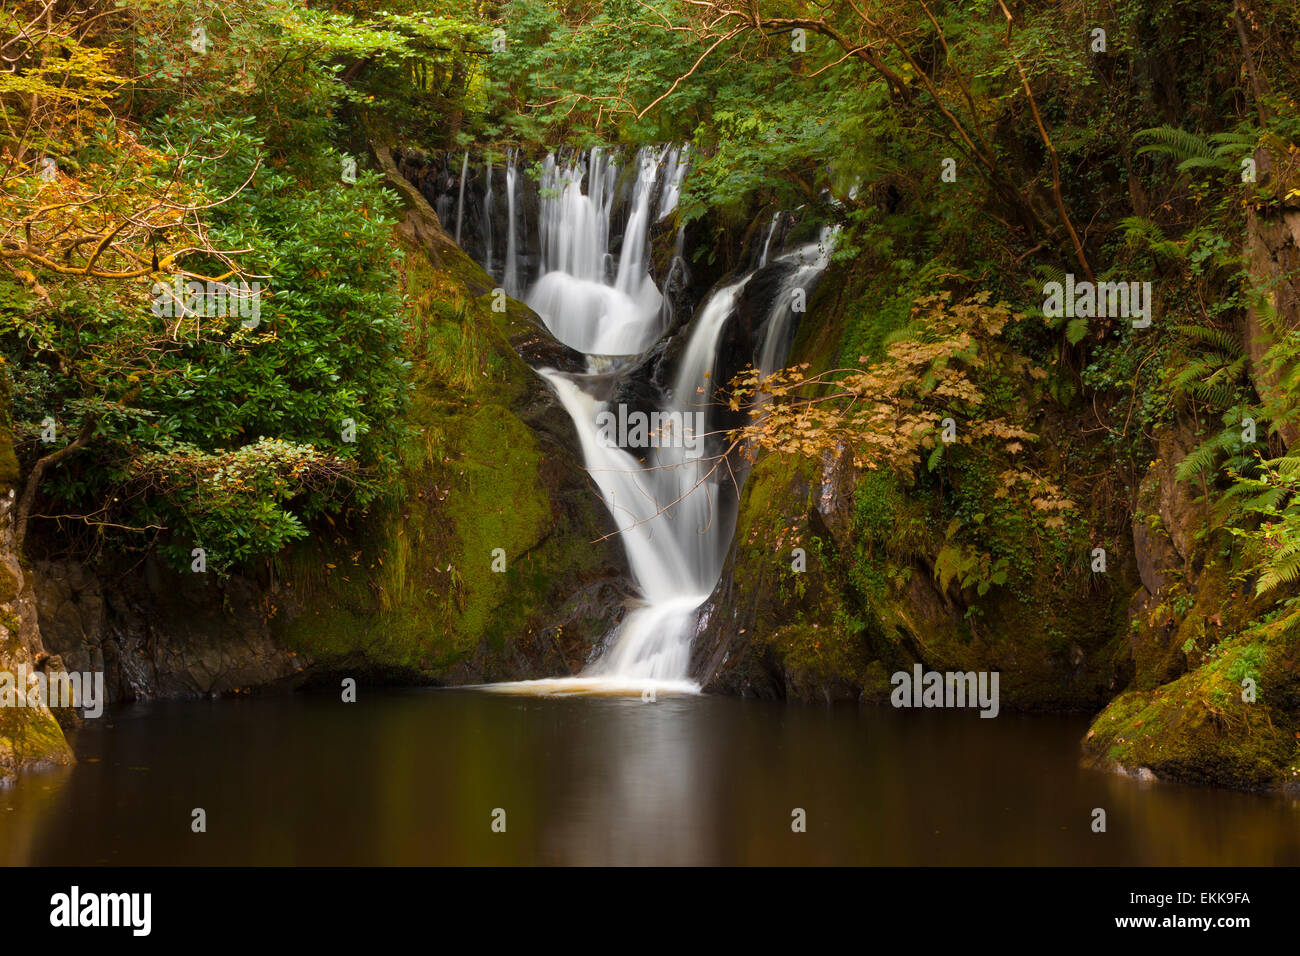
<point x="30" y="736"/>
<point x="1213" y="674"/>
<point x="1232" y="721"/>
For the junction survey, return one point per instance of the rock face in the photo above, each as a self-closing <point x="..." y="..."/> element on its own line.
<point x="1165" y="524"/>
<point x="770" y="630"/>
<point x="1272" y="252"/>
<point x="30" y="736"/>
<point x="840" y="627"/>
<point x="159" y="634"/>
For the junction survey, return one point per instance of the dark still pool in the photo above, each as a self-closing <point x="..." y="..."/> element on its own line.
<point x="466" y="777"/>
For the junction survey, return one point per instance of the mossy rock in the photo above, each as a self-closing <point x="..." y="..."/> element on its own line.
<point x="856" y="614"/>
<point x="30" y="740"/>
<point x="30" y="737"/>
<point x="10" y="472"/>
<point x="771" y="630"/>
<point x="490" y="478"/>
<point x="1201" y="728"/>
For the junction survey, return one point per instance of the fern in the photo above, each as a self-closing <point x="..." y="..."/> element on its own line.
<point x="1264" y="503"/>
<point x="1281" y="570"/>
<point x="1204" y="459"/>
<point x="1213" y="367"/>
<point x="1215" y="338"/>
<point x="1044" y="274"/>
<point x="1143" y="233"/>
<point x="1221" y="152"/>
<point x="1178" y="144"/>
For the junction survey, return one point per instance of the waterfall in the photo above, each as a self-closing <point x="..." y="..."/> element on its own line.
<point x="674" y="507"/>
<point x="487" y="222"/>
<point x="460" y="201"/>
<point x="809" y="261"/>
<point x="574" y="296"/>
<point x="767" y="242"/>
<point x="673" y="176"/>
<point x="675" y="511"/>
<point x="512" y="229"/>
<point x="633" y="264"/>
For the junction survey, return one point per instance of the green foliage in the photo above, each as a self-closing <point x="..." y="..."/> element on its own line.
<point x="233" y="500"/>
<point x="1218" y="152"/>
<point x="1272" y="539"/>
<point x="201" y="430"/>
<point x="966" y="566"/>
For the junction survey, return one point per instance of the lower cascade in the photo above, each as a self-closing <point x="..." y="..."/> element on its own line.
<point x="675" y="509"/>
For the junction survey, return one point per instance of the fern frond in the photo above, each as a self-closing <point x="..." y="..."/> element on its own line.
<point x="1220" y="339"/>
<point x="1279" y="572"/>
<point x="1178" y="144"/>
<point x="1203" y="460"/>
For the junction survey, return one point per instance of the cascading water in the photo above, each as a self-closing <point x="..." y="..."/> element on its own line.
<point x="809" y="261"/>
<point x="675" y="509"/>
<point x="767" y="242"/>
<point x="675" y="512"/>
<point x="487" y="220"/>
<point x="673" y="176"/>
<point x="574" y="294"/>
<point x="460" y="200"/>
<point x="512" y="232"/>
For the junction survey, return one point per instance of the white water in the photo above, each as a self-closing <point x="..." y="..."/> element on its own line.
<point x="487" y="220"/>
<point x="460" y="200"/>
<point x="675" y="510"/>
<point x="809" y="261"/>
<point x="574" y="296"/>
<point x="767" y="242"/>
<point x="512" y="231"/>
<point x="678" y="163"/>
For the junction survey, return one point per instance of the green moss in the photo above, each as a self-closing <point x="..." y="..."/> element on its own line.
<point x="1202" y="728"/>
<point x="801" y="622"/>
<point x="30" y="737"/>
<point x="501" y="507"/>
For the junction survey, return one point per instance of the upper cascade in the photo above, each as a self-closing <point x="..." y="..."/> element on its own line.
<point x="588" y="301"/>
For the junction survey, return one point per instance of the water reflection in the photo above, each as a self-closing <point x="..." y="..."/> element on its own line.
<point x="413" y="777"/>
